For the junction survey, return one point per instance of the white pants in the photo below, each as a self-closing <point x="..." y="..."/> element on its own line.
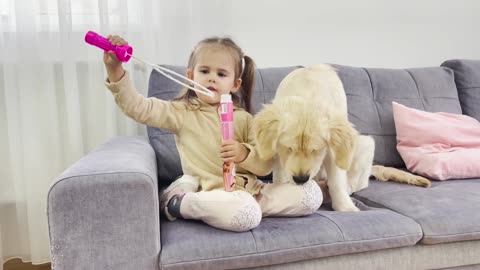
<point x="240" y="211"/>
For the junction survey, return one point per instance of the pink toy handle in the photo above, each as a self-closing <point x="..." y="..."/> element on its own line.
<point x="123" y="53"/>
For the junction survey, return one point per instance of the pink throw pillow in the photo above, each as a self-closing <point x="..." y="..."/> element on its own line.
<point x="439" y="146"/>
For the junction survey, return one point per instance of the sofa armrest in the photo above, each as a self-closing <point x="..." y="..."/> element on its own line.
<point x="103" y="211"/>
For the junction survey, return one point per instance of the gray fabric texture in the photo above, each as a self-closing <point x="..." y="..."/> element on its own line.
<point x="162" y="140"/>
<point x="194" y="245"/>
<point x="103" y="211"/>
<point x="419" y="257"/>
<point x="370" y="92"/>
<point x="267" y="81"/>
<point x="447" y="212"/>
<point x="467" y="78"/>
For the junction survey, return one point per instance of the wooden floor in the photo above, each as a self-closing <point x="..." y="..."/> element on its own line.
<point x="17" y="264"/>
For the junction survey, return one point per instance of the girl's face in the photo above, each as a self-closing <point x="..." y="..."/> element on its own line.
<point x="215" y="70"/>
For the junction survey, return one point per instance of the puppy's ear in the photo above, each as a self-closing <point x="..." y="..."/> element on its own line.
<point x="342" y="141"/>
<point x="266" y="131"/>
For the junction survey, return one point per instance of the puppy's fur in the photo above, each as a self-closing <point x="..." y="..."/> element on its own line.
<point x="307" y="132"/>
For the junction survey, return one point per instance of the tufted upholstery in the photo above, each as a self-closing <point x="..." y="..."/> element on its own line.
<point x="370" y="92"/>
<point x="467" y="78"/>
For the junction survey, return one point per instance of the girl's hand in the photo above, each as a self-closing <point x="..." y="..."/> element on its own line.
<point x="114" y="67"/>
<point x="233" y="151"/>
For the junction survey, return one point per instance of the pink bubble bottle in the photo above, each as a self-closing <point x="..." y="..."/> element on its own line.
<point x="226" y="114"/>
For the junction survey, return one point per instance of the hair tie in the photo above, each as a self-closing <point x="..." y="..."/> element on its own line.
<point x="243" y="66"/>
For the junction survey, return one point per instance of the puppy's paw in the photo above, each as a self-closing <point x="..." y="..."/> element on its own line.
<point x="421" y="181"/>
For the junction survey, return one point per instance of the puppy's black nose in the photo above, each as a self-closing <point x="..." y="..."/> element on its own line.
<point x="301" y="179"/>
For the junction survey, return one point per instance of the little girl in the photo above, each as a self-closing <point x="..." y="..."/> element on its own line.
<point x="219" y="65"/>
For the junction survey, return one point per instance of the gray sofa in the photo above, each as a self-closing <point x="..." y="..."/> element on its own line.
<point x="103" y="211"/>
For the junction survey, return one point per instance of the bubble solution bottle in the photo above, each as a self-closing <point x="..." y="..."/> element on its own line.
<point x="226" y="114"/>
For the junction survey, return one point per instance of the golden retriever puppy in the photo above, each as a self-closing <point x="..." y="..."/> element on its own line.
<point x="307" y="132"/>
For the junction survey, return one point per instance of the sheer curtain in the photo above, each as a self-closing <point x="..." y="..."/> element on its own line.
<point x="54" y="107"/>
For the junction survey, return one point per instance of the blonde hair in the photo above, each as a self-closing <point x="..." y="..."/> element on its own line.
<point x="246" y="72"/>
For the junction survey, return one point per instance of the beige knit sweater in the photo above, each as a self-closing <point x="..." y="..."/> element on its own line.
<point x="197" y="135"/>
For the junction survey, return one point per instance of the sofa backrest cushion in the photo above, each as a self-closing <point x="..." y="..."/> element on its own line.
<point x="467" y="78"/>
<point x="162" y="140"/>
<point x="370" y="92"/>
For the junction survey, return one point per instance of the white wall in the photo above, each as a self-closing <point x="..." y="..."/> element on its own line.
<point x="369" y="33"/>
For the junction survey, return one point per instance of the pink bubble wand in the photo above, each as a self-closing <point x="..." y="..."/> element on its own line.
<point x="125" y="52"/>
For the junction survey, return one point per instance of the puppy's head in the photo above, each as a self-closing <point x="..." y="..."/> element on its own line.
<point x="294" y="133"/>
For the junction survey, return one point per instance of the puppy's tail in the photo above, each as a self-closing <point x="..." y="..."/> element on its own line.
<point x="382" y="173"/>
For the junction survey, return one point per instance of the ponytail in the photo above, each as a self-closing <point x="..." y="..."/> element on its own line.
<point x="244" y="96"/>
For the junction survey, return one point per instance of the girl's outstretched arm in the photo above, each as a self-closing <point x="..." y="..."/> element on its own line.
<point x="149" y="111"/>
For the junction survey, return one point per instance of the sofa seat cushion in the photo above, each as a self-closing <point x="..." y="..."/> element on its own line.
<point x="194" y="245"/>
<point x="447" y="211"/>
